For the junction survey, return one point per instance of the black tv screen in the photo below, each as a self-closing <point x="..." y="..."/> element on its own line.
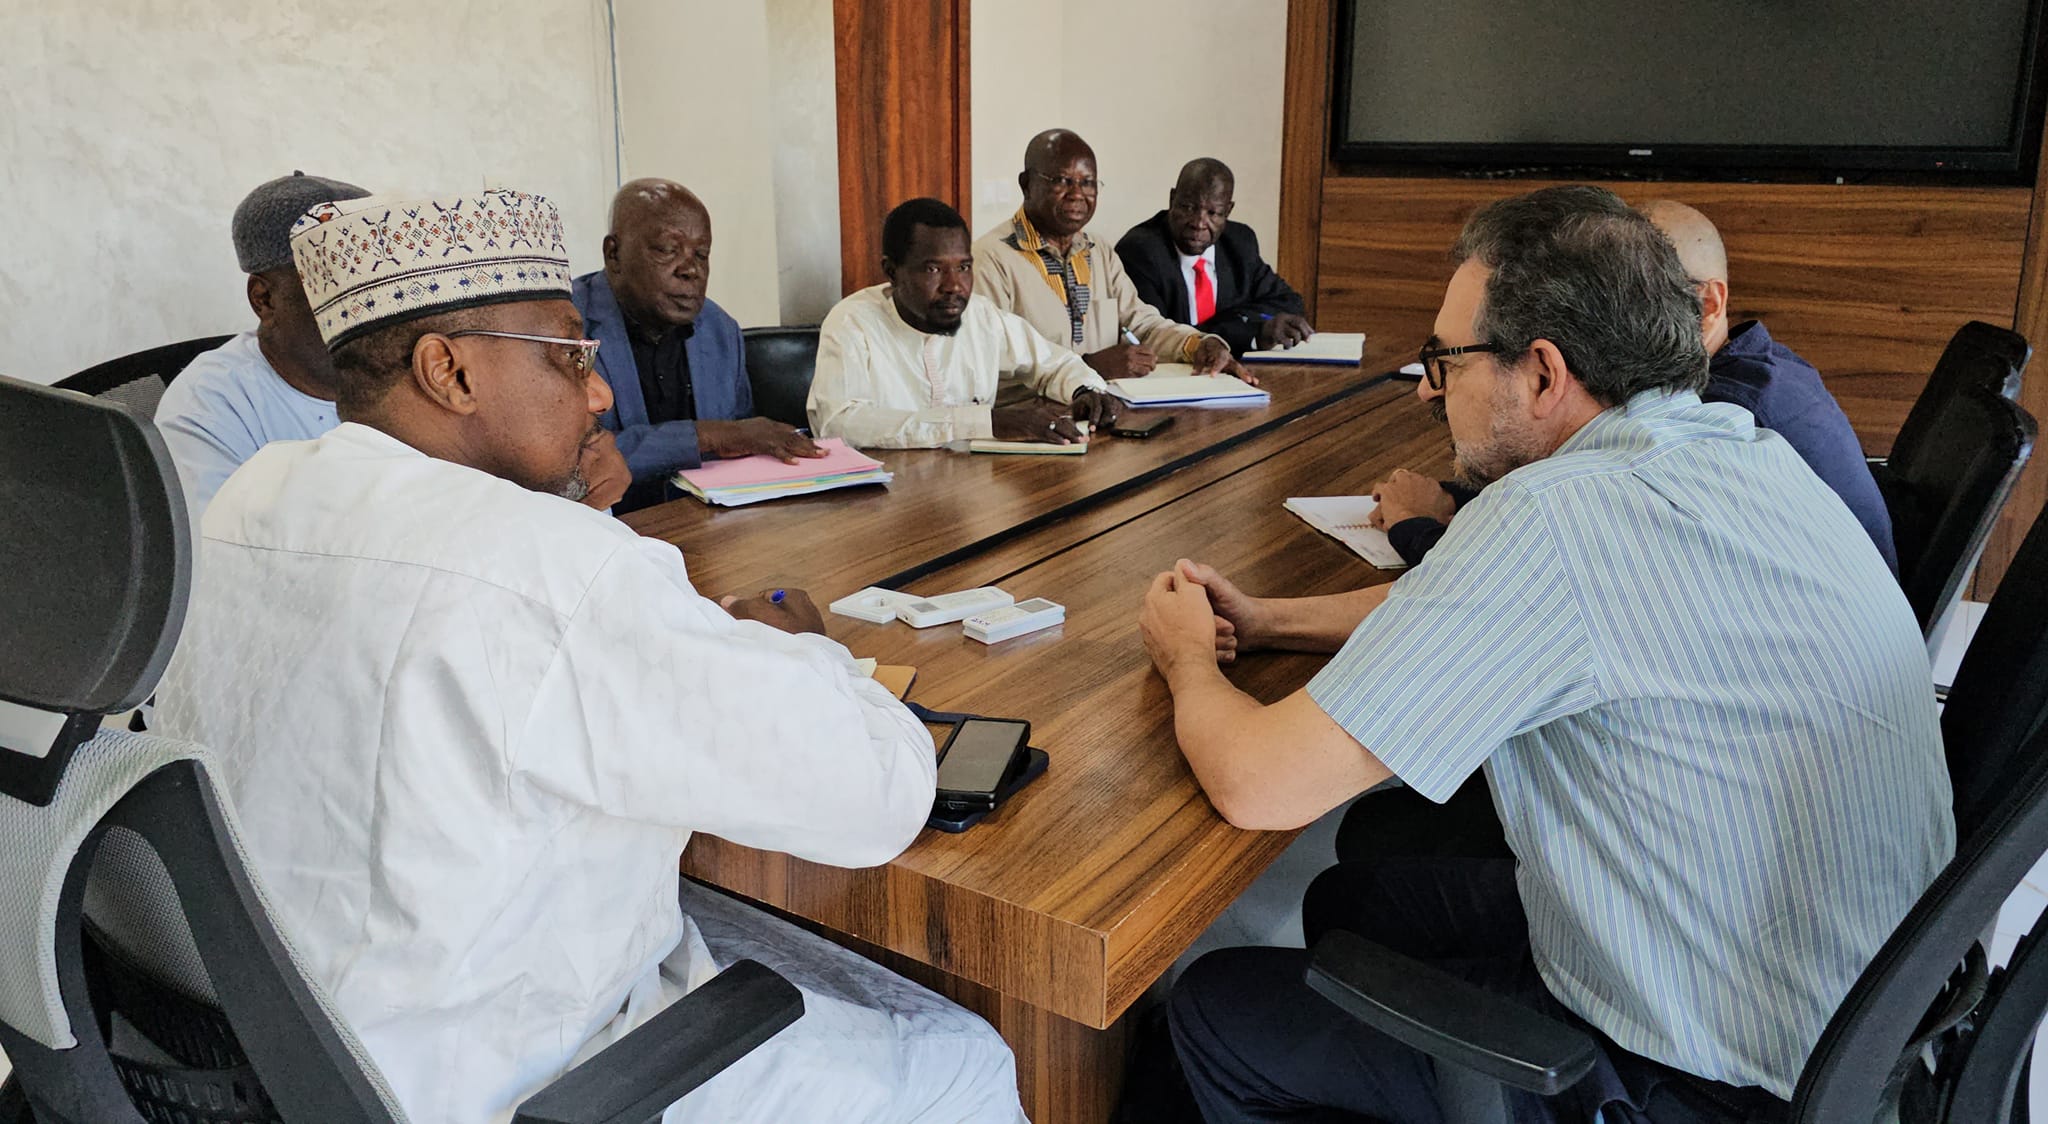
<point x="1825" y="85"/>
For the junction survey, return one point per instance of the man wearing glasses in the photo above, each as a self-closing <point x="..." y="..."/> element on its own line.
<point x="277" y="382"/>
<point x="469" y="726"/>
<point x="1192" y="263"/>
<point x="1042" y="266"/>
<point x="1696" y="696"/>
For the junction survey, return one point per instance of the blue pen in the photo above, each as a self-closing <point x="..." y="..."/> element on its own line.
<point x="777" y="596"/>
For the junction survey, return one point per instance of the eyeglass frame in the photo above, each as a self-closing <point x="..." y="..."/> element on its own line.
<point x="586" y="350"/>
<point x="1431" y="358"/>
<point x="1093" y="187"/>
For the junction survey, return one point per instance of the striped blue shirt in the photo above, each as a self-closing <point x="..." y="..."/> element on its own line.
<point x="1703" y="708"/>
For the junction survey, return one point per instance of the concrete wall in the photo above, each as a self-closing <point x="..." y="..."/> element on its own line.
<point x="129" y="129"/>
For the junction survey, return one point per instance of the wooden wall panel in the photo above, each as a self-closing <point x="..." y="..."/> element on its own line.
<point x="1866" y="282"/>
<point x="2030" y="319"/>
<point x="1304" y="140"/>
<point x="901" y="70"/>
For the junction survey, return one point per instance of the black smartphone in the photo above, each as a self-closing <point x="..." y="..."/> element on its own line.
<point x="977" y="758"/>
<point x="1137" y="427"/>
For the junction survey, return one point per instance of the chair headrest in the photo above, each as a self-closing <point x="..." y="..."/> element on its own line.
<point x="95" y="564"/>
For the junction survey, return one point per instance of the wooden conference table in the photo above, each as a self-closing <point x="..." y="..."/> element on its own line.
<point x="1050" y="918"/>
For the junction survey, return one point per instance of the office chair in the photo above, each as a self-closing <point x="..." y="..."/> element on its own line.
<point x="1980" y="358"/>
<point x="1953" y="465"/>
<point x="1928" y="988"/>
<point x="138" y="381"/>
<point x="141" y="974"/>
<point x="780" y="362"/>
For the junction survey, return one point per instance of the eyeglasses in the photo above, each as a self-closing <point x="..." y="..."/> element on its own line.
<point x="1067" y="184"/>
<point x="1436" y="370"/>
<point x="584" y="359"/>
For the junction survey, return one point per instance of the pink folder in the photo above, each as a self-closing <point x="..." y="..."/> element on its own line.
<point x="741" y="472"/>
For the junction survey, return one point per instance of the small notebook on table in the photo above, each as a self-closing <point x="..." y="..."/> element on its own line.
<point x="1176" y="384"/>
<point x="1346" y="519"/>
<point x="1324" y="347"/>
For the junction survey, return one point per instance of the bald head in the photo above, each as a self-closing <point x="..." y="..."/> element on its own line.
<point x="1699" y="244"/>
<point x="1199" y="204"/>
<point x="1203" y="175"/>
<point x="657" y="256"/>
<point x="1705" y="261"/>
<point x="1059" y="185"/>
<point x="640" y="199"/>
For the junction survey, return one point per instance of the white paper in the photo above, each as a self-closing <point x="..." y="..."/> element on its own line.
<point x="1184" y="390"/>
<point x="1344" y="518"/>
<point x="1323" y="347"/>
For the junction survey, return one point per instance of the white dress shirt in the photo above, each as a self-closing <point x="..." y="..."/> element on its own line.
<point x="1187" y="276"/>
<point x="881" y="383"/>
<point x="469" y="729"/>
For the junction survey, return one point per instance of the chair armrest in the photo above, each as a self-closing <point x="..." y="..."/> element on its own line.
<point x="1447" y="1018"/>
<point x="634" y="1079"/>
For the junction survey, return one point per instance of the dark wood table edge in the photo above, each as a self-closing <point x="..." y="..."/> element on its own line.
<point x="968" y="550"/>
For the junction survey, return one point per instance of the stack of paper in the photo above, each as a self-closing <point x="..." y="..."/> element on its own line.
<point x="745" y="480"/>
<point x="1345" y="518"/>
<point x="1323" y="347"/>
<point x="1175" y="384"/>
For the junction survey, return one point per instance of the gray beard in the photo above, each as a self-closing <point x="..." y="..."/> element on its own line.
<point x="574" y="488"/>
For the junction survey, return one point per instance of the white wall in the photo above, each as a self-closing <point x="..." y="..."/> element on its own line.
<point x="1151" y="84"/>
<point x="736" y="102"/>
<point x="129" y="129"/>
<point x="805" y="106"/>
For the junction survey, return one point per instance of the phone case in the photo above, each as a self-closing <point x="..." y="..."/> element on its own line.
<point x="954" y="822"/>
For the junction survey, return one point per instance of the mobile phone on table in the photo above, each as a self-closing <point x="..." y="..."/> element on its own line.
<point x="977" y="758"/>
<point x="1140" y="427"/>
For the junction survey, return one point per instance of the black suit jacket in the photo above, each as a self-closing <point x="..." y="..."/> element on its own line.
<point x="1246" y="287"/>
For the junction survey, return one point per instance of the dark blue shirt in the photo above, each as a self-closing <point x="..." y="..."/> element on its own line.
<point x="1785" y="395"/>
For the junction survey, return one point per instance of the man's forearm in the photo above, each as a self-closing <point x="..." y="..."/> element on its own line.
<point x="1209" y="715"/>
<point x="1318" y="624"/>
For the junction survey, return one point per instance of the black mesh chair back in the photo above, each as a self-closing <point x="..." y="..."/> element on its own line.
<point x="2000" y="696"/>
<point x="780" y="362"/>
<point x="1913" y="1000"/>
<point x="1944" y="490"/>
<point x="137" y="381"/>
<point x="1980" y="358"/>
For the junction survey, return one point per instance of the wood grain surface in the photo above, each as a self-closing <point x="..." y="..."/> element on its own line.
<point x="945" y="506"/>
<point x="901" y="70"/>
<point x="1304" y="143"/>
<point x="1867" y="282"/>
<point x="1077" y="894"/>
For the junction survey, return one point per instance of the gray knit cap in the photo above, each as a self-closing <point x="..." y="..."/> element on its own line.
<point x="263" y="221"/>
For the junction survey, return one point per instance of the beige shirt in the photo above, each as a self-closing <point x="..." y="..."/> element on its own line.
<point x="882" y="384"/>
<point x="1014" y="280"/>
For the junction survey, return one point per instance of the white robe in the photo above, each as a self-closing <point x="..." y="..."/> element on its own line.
<point x="468" y="729"/>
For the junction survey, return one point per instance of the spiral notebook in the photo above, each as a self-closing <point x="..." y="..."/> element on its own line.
<point x="1344" y="518"/>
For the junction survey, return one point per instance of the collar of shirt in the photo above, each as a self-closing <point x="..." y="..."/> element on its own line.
<point x="1187" y="261"/>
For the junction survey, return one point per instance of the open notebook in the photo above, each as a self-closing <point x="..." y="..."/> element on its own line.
<point x="1344" y="518"/>
<point x="1323" y="347"/>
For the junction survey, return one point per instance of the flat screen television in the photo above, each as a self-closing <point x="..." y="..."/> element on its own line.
<point x="1823" y="86"/>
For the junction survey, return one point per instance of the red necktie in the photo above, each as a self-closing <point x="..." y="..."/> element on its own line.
<point x="1205" y="292"/>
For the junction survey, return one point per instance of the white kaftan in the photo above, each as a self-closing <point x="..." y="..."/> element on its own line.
<point x="468" y="729"/>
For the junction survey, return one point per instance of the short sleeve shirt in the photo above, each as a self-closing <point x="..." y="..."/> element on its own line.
<point x="1702" y="705"/>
